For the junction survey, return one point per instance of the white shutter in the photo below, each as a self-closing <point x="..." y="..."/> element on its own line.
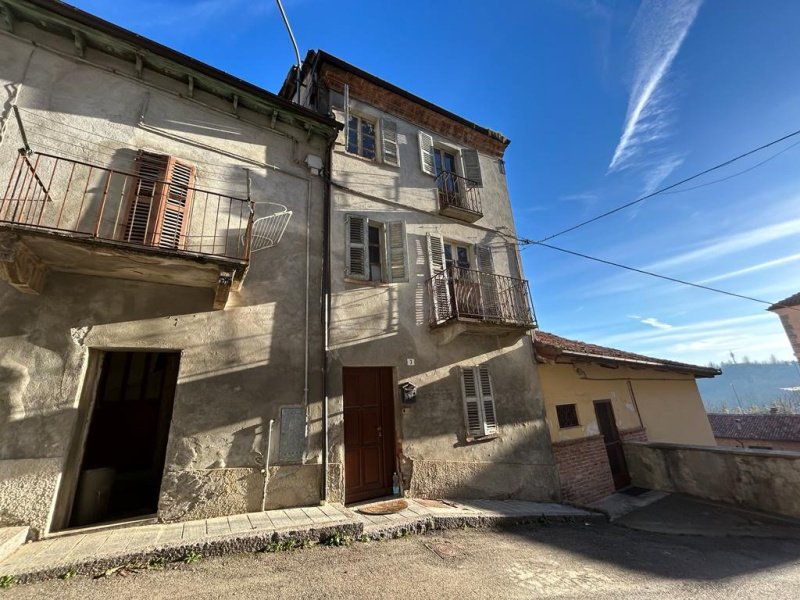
<point x="390" y="149"/>
<point x="470" y="393"/>
<point x="472" y="166"/>
<point x="396" y="251"/>
<point x="426" y="154"/>
<point x="357" y="252"/>
<point x="487" y="400"/>
<point x="440" y="290"/>
<point x="490" y="298"/>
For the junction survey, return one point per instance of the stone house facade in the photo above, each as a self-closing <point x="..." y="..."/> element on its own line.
<point x="159" y="326"/>
<point x="596" y="398"/>
<point x="428" y="380"/>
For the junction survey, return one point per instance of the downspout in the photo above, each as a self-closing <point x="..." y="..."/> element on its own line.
<point x="308" y="290"/>
<point x="326" y="311"/>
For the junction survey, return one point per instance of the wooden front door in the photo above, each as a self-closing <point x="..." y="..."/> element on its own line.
<point x="368" y="432"/>
<point x="616" y="457"/>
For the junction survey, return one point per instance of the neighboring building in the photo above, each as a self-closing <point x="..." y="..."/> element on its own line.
<point x="759" y="432"/>
<point x="425" y="291"/>
<point x="152" y="184"/>
<point x="596" y="398"/>
<point x="789" y="312"/>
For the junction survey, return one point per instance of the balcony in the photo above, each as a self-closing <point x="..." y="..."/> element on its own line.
<point x="479" y="303"/>
<point x="459" y="197"/>
<point x="66" y="215"/>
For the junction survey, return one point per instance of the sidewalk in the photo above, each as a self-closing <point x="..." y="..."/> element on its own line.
<point x="98" y="551"/>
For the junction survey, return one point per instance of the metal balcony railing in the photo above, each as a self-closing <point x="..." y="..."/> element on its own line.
<point x="459" y="193"/>
<point x="465" y="294"/>
<point x="51" y="193"/>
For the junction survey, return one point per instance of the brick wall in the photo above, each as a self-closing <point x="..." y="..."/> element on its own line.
<point x="637" y="434"/>
<point x="583" y="469"/>
<point x="390" y="102"/>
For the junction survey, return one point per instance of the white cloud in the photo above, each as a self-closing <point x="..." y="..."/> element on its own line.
<point x="651" y="321"/>
<point x="659" y="28"/>
<point x="751" y="269"/>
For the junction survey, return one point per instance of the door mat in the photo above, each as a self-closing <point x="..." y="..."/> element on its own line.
<point x="384" y="508"/>
<point x="633" y="491"/>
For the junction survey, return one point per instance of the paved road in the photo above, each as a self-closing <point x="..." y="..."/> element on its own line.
<point x="556" y="561"/>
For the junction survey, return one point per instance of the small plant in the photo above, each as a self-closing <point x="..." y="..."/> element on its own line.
<point x="337" y="538"/>
<point x="364" y="538"/>
<point x="66" y="576"/>
<point x="6" y="581"/>
<point x="191" y="557"/>
<point x="401" y="533"/>
<point x="157" y="562"/>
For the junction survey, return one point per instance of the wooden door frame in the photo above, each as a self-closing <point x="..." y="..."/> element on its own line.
<point x="389" y="441"/>
<point x="626" y="472"/>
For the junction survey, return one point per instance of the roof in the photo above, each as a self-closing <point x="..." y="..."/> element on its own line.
<point x="787" y="302"/>
<point x="756" y="427"/>
<point x="58" y="17"/>
<point x="552" y="346"/>
<point x="315" y="57"/>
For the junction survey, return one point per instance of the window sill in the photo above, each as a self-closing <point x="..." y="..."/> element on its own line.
<point x="368" y="282"/>
<point x="482" y="438"/>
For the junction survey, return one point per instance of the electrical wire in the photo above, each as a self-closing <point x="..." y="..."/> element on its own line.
<point x="664" y="277"/>
<point x="666" y="189"/>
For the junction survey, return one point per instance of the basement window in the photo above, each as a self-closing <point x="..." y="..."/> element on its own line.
<point x="567" y="416"/>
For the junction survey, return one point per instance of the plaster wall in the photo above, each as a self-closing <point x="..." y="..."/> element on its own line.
<point x="375" y="324"/>
<point x="765" y="480"/>
<point x="238" y="367"/>
<point x="790" y="318"/>
<point x="669" y="404"/>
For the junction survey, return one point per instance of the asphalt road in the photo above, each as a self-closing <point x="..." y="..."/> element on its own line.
<point x="538" y="561"/>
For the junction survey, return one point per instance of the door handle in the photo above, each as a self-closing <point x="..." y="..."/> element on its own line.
<point x="380" y="432"/>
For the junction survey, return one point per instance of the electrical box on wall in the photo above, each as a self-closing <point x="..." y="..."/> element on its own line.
<point x="408" y="393"/>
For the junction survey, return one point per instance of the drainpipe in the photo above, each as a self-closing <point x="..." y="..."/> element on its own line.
<point x="326" y="311"/>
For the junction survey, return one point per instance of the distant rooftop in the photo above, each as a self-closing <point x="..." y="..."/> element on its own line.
<point x="552" y="346"/>
<point x="756" y="427"/>
<point x="787" y="302"/>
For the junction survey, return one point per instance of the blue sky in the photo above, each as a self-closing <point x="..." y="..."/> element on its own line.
<point x="604" y="101"/>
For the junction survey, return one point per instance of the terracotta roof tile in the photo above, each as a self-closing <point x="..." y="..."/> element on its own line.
<point x="756" y="427"/>
<point x="790" y="301"/>
<point x="548" y="344"/>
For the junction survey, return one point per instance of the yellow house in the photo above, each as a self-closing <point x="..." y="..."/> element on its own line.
<point x="596" y="397"/>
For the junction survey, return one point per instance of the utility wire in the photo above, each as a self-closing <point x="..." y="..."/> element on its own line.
<point x="664" y="277"/>
<point x="665" y="189"/>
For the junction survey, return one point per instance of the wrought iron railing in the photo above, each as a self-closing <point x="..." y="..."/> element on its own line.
<point x="458" y="192"/>
<point x="58" y="194"/>
<point x="458" y="293"/>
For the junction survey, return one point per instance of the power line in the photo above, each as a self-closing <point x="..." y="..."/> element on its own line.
<point x="664" y="277"/>
<point x="667" y="188"/>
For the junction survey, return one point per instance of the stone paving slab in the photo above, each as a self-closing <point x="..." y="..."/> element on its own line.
<point x="97" y="551"/>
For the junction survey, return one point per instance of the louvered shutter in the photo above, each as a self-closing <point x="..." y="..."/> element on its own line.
<point x="487" y="400"/>
<point x="390" y="149"/>
<point x="357" y="258"/>
<point x="472" y="166"/>
<point x="173" y="217"/>
<point x="490" y="298"/>
<point x="426" y="154"/>
<point x="146" y="198"/>
<point x="472" y="409"/>
<point x="440" y="287"/>
<point x="396" y="251"/>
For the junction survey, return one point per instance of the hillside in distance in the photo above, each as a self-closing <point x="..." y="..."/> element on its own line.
<point x="751" y="386"/>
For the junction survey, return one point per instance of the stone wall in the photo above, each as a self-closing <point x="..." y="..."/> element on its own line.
<point x="764" y="480"/>
<point x="583" y="469"/>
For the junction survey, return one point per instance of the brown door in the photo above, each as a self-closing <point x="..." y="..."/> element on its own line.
<point x="368" y="432"/>
<point x="616" y="457"/>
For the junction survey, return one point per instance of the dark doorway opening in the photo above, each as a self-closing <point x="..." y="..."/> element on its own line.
<point x="368" y="432"/>
<point x="607" y="424"/>
<point x="126" y="443"/>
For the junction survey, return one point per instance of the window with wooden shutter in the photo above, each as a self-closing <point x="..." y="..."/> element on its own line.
<point x="159" y="201"/>
<point x="389" y="148"/>
<point x="396" y="251"/>
<point x="426" y="154"/>
<point x="441" y="289"/>
<point x="490" y="297"/>
<point x="356" y="252"/>
<point x="479" y="409"/>
<point x="472" y="166"/>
